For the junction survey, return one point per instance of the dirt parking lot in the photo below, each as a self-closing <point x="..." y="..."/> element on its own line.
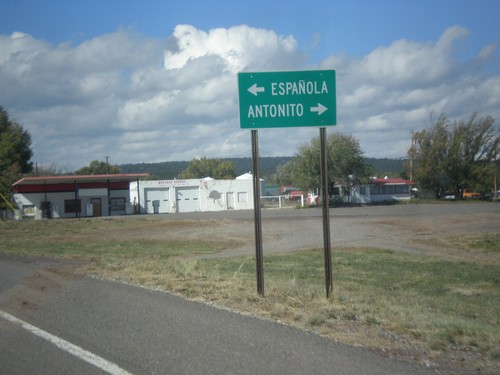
<point x="422" y="228"/>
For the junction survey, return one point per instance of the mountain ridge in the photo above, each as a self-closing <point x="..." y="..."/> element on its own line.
<point x="267" y="166"/>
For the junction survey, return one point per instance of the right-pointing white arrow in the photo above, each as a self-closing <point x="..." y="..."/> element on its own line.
<point x="320" y="109"/>
<point x="254" y="89"/>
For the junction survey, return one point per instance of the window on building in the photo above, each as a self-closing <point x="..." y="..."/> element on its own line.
<point x="390" y="189"/>
<point x="362" y="190"/>
<point x="72" y="206"/>
<point x="117" y="204"/>
<point x="403" y="189"/>
<point x="242" y="197"/>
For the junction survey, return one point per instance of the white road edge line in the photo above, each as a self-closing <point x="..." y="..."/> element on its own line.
<point x="75" y="350"/>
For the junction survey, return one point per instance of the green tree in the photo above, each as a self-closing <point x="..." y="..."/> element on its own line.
<point x="282" y="175"/>
<point x="15" y="154"/>
<point x="215" y="168"/>
<point x="346" y="163"/>
<point x="456" y="155"/>
<point x="98" y="167"/>
<point x="430" y="150"/>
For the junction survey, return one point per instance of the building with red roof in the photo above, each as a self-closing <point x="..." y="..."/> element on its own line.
<point x="74" y="196"/>
<point x="382" y="190"/>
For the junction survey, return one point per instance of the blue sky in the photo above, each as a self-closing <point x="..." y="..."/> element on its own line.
<point x="110" y="77"/>
<point x="354" y="27"/>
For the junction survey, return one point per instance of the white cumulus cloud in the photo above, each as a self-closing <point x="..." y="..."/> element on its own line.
<point x="239" y="47"/>
<point x="137" y="99"/>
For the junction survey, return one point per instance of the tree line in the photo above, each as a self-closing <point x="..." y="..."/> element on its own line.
<point x="457" y="155"/>
<point x="174" y="169"/>
<point x="446" y="156"/>
<point x="15" y="155"/>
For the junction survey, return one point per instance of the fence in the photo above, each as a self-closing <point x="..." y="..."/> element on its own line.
<point x="283" y="201"/>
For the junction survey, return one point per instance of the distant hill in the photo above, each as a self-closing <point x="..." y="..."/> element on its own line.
<point x="390" y="167"/>
<point x="172" y="169"/>
<point x="166" y="170"/>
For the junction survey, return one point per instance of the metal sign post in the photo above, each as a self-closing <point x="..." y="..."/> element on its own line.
<point x="326" y="214"/>
<point x="257" y="216"/>
<point x="288" y="99"/>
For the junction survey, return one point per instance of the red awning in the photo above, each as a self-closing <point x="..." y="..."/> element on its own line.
<point x="49" y="180"/>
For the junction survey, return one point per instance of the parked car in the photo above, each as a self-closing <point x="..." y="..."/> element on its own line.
<point x="468" y="193"/>
<point x="493" y="195"/>
<point x="449" y="196"/>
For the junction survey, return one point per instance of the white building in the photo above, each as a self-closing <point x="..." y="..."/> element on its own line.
<point x="125" y="194"/>
<point x="381" y="190"/>
<point x="73" y="196"/>
<point x="192" y="195"/>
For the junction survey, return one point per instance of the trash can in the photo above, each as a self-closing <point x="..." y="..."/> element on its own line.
<point x="156" y="206"/>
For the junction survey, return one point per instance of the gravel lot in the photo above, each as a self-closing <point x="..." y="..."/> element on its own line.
<point x="423" y="228"/>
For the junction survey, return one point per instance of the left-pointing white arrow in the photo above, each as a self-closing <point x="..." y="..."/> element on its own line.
<point x="254" y="89"/>
<point x="320" y="109"/>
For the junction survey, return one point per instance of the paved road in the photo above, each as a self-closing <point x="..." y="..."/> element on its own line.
<point x="141" y="331"/>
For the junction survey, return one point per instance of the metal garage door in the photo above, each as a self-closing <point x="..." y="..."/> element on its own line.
<point x="187" y="199"/>
<point x="160" y="195"/>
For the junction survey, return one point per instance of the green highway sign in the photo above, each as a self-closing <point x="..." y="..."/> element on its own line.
<point x="287" y="99"/>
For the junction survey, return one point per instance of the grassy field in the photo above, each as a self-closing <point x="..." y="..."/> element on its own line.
<point x="432" y="309"/>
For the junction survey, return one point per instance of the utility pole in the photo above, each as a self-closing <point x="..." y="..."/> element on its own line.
<point x="107" y="164"/>
<point x="411" y="155"/>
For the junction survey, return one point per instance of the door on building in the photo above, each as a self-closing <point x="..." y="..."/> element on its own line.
<point x="96" y="207"/>
<point x="187" y="199"/>
<point x="230" y="200"/>
<point x="161" y="196"/>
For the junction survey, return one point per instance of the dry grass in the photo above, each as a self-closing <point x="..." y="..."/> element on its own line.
<point x="420" y="308"/>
